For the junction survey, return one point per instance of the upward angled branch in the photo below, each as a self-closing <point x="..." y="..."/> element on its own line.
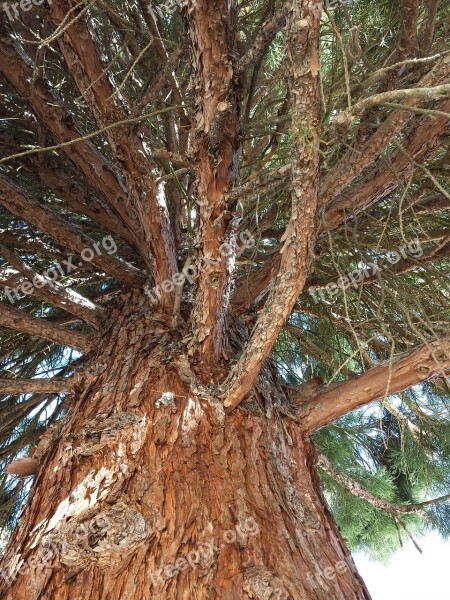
<point x="18" y="320"/>
<point x="212" y="32"/>
<point x="263" y="40"/>
<point x="63" y="232"/>
<point x="53" y="292"/>
<point x="412" y="368"/>
<point x="82" y="57"/>
<point x="353" y="163"/>
<point x="303" y="53"/>
<point x="359" y="197"/>
<point x="427" y="93"/>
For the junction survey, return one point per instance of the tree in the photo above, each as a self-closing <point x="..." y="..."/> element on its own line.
<point x="224" y="312"/>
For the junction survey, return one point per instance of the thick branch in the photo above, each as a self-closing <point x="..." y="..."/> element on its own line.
<point x="410" y="369"/>
<point x="212" y="32"/>
<point x="303" y="53"/>
<point x="57" y="120"/>
<point x="66" y="234"/>
<point x="438" y="92"/>
<point x="35" y="386"/>
<point x="54" y="293"/>
<point x="17" y="320"/>
<point x="83" y="60"/>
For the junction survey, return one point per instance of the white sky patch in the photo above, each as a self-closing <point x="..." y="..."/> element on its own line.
<point x="410" y="575"/>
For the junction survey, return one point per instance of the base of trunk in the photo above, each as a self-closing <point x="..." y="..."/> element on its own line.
<point x="146" y="491"/>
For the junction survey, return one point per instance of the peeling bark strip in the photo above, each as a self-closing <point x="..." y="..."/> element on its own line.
<point x="412" y="368"/>
<point x="212" y="32"/>
<point x="303" y="54"/>
<point x="142" y="494"/>
<point x="35" y="386"/>
<point x="17" y="320"/>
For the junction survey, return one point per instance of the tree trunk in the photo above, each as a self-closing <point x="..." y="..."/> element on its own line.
<point x="148" y="490"/>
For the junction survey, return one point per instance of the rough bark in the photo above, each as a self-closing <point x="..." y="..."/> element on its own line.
<point x="146" y="470"/>
<point x="296" y="256"/>
<point x="391" y="377"/>
<point x="212" y="32"/>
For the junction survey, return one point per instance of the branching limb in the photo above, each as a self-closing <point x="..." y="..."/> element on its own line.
<point x="66" y="234"/>
<point x="18" y="320"/>
<point x="412" y="368"/>
<point x="212" y="30"/>
<point x="357" y="490"/>
<point x="438" y="92"/>
<point x="35" y="386"/>
<point x="303" y="42"/>
<point x="53" y="292"/>
<point x="268" y="31"/>
<point x="84" y="155"/>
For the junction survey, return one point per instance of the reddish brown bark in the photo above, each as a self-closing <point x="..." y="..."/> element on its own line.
<point x="146" y="469"/>
<point x="84" y="155"/>
<point x="391" y="377"/>
<point x="212" y="31"/>
<point x="82" y="57"/>
<point x="18" y="320"/>
<point x="298" y="239"/>
<point x="68" y="235"/>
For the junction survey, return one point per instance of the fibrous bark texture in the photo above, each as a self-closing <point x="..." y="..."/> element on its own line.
<point x="146" y="490"/>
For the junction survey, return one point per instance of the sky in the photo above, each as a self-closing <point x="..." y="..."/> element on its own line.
<point x="410" y="575"/>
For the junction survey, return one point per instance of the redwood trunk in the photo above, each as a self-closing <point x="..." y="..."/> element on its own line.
<point x="144" y="491"/>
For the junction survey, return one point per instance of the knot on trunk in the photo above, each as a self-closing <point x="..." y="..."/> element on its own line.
<point x="261" y="584"/>
<point x="106" y="431"/>
<point x="106" y="538"/>
<point x="302" y="511"/>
